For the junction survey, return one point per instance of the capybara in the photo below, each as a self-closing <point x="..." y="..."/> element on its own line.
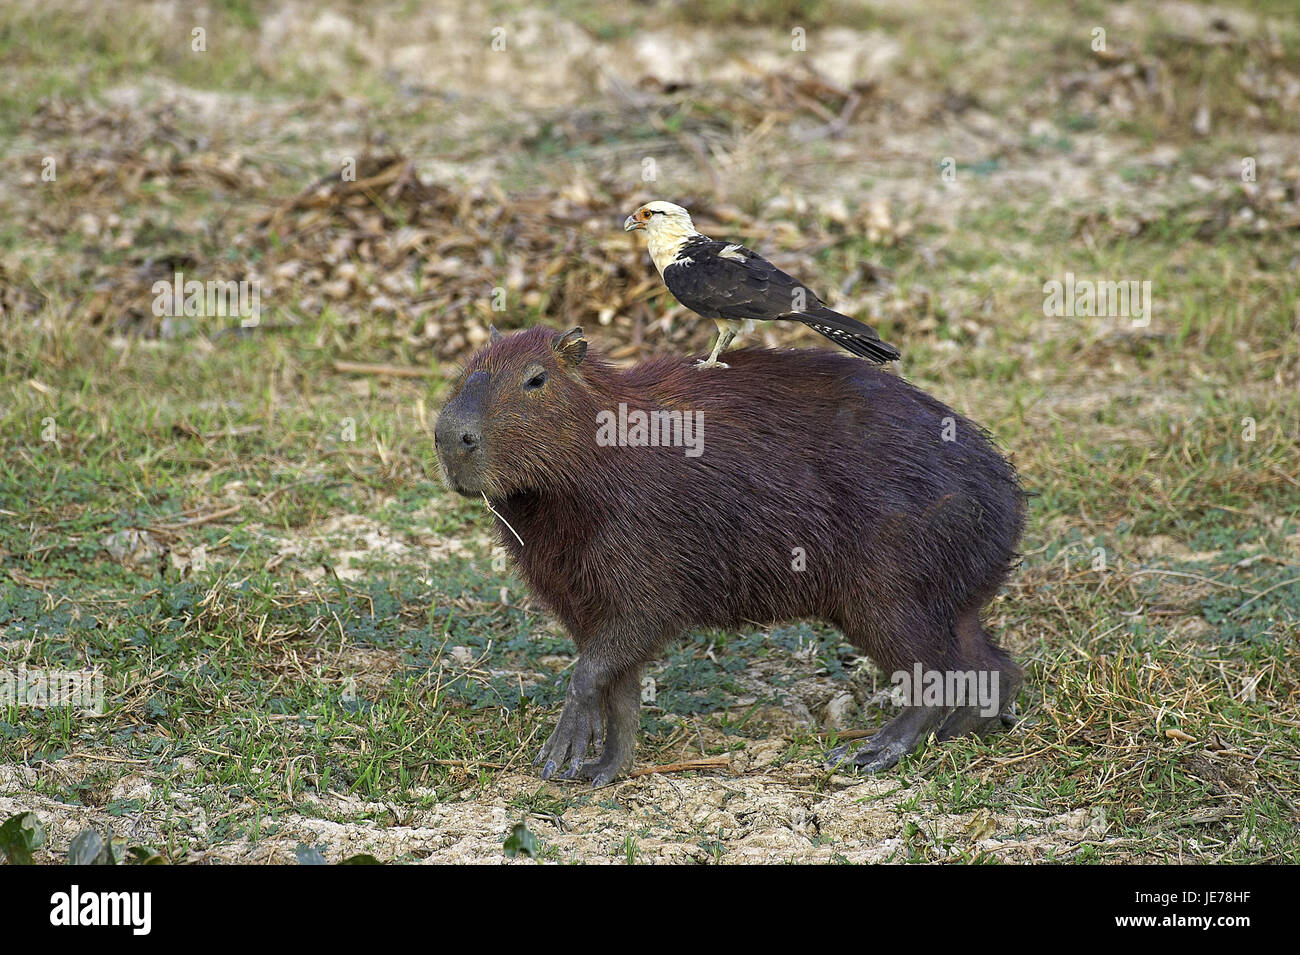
<point x="796" y="484"/>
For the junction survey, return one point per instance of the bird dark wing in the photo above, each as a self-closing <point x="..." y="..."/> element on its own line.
<point x="718" y="286"/>
<point x="724" y="286"/>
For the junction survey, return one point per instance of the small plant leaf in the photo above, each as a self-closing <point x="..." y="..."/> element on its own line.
<point x="20" y="836"/>
<point x="143" y="855"/>
<point x="88" y="847"/>
<point x="521" y="841"/>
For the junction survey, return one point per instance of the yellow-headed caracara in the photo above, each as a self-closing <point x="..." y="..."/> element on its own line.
<point x="735" y="287"/>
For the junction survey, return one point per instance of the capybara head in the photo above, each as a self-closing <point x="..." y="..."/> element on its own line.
<point x="516" y="416"/>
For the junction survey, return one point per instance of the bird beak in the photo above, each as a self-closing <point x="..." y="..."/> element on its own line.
<point x="630" y="224"/>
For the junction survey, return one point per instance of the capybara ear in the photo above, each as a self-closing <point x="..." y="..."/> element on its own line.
<point x="493" y="334"/>
<point x="570" y="348"/>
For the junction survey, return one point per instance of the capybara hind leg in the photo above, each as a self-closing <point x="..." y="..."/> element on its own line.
<point x="894" y="647"/>
<point x="969" y="721"/>
<point x="582" y="721"/>
<point x="989" y="716"/>
<point x="622" y="721"/>
<point x="997" y="683"/>
<point x="891" y="742"/>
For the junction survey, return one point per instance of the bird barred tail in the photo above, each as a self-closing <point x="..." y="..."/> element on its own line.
<point x="851" y="335"/>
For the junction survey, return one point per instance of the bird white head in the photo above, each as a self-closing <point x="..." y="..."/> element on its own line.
<point x="666" y="225"/>
<point x="658" y="215"/>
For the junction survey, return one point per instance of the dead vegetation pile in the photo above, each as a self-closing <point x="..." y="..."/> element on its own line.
<point x="393" y="248"/>
<point x="423" y="264"/>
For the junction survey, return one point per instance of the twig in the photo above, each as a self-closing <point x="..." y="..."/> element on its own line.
<point x="500" y="518"/>
<point x="1282" y="474"/>
<point x="394" y="371"/>
<point x="1179" y="573"/>
<point x="195" y="521"/>
<point x="709" y="762"/>
<point x="1286" y="802"/>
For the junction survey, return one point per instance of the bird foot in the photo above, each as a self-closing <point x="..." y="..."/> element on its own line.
<point x="710" y="363"/>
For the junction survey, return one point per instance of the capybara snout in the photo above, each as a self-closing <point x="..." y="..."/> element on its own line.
<point x="458" y="435"/>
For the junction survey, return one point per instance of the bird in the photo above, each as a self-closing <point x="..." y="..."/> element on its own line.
<point x="736" y="286"/>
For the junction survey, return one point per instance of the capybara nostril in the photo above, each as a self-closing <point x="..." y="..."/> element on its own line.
<point x="469" y="441"/>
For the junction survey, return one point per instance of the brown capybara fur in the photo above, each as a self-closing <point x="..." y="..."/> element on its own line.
<point x="822" y="488"/>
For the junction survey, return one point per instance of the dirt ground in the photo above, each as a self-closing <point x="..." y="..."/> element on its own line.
<point x="742" y="814"/>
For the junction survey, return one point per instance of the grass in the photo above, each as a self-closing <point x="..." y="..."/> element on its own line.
<point x="313" y="633"/>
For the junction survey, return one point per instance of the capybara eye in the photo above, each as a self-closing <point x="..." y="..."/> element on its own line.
<point x="535" y="382"/>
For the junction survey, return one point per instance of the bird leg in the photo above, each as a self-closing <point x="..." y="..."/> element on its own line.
<point x="725" y="338"/>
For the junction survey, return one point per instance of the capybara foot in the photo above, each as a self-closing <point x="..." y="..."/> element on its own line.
<point x="890" y="743"/>
<point x="870" y="757"/>
<point x="975" y="721"/>
<point x="622" y="718"/>
<point x="579" y="731"/>
<point x="969" y="721"/>
<point x="612" y="763"/>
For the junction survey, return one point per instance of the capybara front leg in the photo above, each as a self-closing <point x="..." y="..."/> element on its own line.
<point x="582" y="721"/>
<point x="622" y="722"/>
<point x="891" y="742"/>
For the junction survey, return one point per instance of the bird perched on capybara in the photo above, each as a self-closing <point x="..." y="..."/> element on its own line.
<point x="645" y="502"/>
<point x="736" y="286"/>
